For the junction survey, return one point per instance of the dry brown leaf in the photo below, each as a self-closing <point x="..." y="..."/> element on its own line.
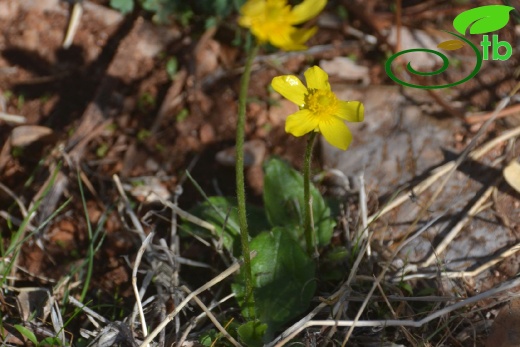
<point x="24" y="135"/>
<point x="512" y="175"/>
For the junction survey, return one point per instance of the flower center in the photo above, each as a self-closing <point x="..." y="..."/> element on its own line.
<point x="323" y="103"/>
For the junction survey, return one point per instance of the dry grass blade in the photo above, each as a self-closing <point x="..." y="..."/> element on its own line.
<point x="87" y="310"/>
<point x="189" y="217"/>
<point x="12" y="118"/>
<point x="18" y="201"/>
<point x="473" y="211"/>
<point x="194" y="321"/>
<point x="128" y="208"/>
<point x="213" y="319"/>
<point x="138" y="258"/>
<point x="458" y="274"/>
<point x="226" y="273"/>
<point x="364" y="209"/>
<point x="75" y="17"/>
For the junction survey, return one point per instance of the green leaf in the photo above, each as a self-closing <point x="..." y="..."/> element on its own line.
<point x="222" y="213"/>
<point x="283" y="278"/>
<point x="50" y="341"/>
<point x="251" y="333"/>
<point x="209" y="337"/>
<point x="407" y="287"/>
<point x="284" y="206"/>
<point x="123" y="6"/>
<point x="172" y="67"/>
<point x="483" y="19"/>
<point x="28" y="334"/>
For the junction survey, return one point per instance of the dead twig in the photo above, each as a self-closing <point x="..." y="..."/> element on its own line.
<point x="478" y="118"/>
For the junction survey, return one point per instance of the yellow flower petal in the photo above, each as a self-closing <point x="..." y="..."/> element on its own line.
<point x="298" y="39"/>
<point x="317" y="78"/>
<point x="320" y="110"/>
<point x="352" y="111"/>
<point x="301" y="123"/>
<point x="250" y="10"/>
<point x="336" y="133"/>
<point x="306" y="10"/>
<point x="282" y="37"/>
<point x="291" y="88"/>
<point x="273" y="21"/>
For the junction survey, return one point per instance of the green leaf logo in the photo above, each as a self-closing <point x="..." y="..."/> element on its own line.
<point x="482" y="19"/>
<point x="451" y="45"/>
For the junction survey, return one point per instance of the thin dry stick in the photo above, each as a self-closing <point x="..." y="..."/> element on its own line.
<point x="460" y="225"/>
<point x="185" y="215"/>
<point x="213" y="319"/>
<point x="128" y="208"/>
<point x="409" y="336"/>
<point x="458" y="274"/>
<point x="175" y="249"/>
<point x="144" y="284"/>
<point x="363" y="207"/>
<point x="403" y="298"/>
<point x="19" y="202"/>
<point x="173" y="231"/>
<point x="184" y="302"/>
<point x="194" y="321"/>
<point x="482" y="117"/>
<point x="134" y="281"/>
<point x="184" y="336"/>
<point x="410" y="323"/>
<point x="87" y="310"/>
<point x="442" y="170"/>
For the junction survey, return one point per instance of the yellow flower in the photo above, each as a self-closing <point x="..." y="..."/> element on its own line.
<point x="272" y="21"/>
<point x="320" y="109"/>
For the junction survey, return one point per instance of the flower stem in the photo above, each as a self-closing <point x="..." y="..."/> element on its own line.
<point x="310" y="237"/>
<point x="249" y="300"/>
